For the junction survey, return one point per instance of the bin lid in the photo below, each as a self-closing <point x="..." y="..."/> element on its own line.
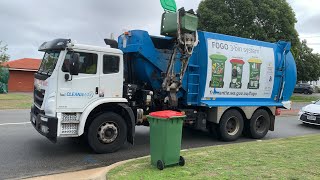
<point x="254" y="60"/>
<point x="218" y="57"/>
<point x="237" y="61"/>
<point x="169" y="5"/>
<point x="166" y="114"/>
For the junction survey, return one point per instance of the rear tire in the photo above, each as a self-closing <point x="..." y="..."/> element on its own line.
<point x="305" y="92"/>
<point x="231" y="125"/>
<point x="259" y="124"/>
<point x="107" y="133"/>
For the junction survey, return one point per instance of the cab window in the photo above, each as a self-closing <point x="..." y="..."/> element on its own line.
<point x="110" y="64"/>
<point x="87" y="65"/>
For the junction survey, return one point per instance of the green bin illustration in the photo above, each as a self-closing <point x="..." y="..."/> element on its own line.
<point x="254" y="78"/>
<point x="218" y="66"/>
<point x="236" y="73"/>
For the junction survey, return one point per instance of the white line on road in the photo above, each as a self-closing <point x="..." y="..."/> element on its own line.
<point x="22" y="123"/>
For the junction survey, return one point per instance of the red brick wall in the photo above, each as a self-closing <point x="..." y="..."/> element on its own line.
<point x="21" y="81"/>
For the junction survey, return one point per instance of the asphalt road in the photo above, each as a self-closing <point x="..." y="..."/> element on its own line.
<point x="25" y="153"/>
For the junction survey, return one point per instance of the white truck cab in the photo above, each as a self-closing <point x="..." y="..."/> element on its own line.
<point x="77" y="84"/>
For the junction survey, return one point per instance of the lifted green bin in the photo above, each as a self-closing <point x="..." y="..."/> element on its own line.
<point x="165" y="138"/>
<point x="169" y="24"/>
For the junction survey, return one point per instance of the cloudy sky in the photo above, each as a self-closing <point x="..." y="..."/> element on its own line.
<point x="25" y="25"/>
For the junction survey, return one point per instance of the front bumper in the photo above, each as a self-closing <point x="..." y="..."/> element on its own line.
<point x="45" y="125"/>
<point x="304" y="119"/>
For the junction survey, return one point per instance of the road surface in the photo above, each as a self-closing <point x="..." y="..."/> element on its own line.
<point x="25" y="153"/>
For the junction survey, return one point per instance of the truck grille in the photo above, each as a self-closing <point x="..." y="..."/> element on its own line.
<point x="38" y="96"/>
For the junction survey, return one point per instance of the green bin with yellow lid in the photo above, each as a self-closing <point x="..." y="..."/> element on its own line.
<point x="255" y="73"/>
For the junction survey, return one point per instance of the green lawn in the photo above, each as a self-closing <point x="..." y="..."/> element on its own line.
<point x="304" y="98"/>
<point x="292" y="158"/>
<point x="15" y="101"/>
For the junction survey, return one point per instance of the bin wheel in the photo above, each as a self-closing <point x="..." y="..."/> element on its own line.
<point x="160" y="165"/>
<point x="182" y="161"/>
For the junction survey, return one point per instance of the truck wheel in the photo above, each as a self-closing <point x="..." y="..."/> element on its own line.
<point x="107" y="133"/>
<point x="259" y="124"/>
<point x="231" y="125"/>
<point x="305" y="92"/>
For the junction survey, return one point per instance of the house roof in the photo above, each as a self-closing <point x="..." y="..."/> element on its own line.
<point x="25" y="64"/>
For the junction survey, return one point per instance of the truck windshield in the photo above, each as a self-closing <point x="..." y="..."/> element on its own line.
<point x="49" y="62"/>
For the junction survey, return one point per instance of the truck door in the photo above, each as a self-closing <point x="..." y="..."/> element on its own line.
<point x="80" y="90"/>
<point x="111" y="76"/>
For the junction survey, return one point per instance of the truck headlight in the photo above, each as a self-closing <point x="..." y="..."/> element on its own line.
<point x="50" y="105"/>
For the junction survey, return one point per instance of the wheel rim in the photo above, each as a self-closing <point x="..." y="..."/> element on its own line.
<point x="107" y="132"/>
<point x="260" y="125"/>
<point x="233" y="126"/>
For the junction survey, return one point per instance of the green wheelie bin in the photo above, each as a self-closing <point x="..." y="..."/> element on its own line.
<point x="165" y="138"/>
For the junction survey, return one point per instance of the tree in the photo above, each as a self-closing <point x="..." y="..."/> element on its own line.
<point x="4" y="57"/>
<point x="308" y="63"/>
<point x="265" y="20"/>
<point x="4" y="73"/>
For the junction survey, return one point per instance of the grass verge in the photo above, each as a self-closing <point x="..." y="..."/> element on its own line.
<point x="304" y="98"/>
<point x="15" y="101"/>
<point x="292" y="158"/>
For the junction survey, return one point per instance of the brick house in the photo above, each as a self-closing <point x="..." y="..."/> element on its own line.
<point x="22" y="74"/>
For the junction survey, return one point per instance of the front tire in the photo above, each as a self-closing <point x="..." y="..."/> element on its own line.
<point x="107" y="133"/>
<point x="231" y="125"/>
<point x="259" y="124"/>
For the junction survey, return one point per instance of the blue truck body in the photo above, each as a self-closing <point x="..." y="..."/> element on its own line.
<point x="150" y="56"/>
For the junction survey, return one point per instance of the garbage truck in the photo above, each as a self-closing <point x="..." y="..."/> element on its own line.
<point x="225" y="85"/>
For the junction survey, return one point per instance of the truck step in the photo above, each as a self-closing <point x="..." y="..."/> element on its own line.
<point x="193" y="84"/>
<point x="194" y="66"/>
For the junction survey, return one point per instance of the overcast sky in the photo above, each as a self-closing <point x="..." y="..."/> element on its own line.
<point x="25" y="25"/>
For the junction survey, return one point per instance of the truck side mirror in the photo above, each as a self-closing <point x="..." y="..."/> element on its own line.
<point x="74" y="64"/>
